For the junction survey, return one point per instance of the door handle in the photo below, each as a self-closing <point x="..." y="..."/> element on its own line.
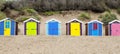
<point x="76" y="29"/>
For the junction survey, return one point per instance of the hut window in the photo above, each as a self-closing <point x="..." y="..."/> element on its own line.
<point x="95" y="26"/>
<point x="7" y="24"/>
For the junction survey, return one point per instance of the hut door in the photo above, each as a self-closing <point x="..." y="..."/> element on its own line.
<point x="7" y="27"/>
<point x="31" y="28"/>
<point x="53" y="28"/>
<point x="75" y="29"/>
<point x="95" y="31"/>
<point x="115" y="30"/>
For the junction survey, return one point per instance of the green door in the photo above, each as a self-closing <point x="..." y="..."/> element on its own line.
<point x="31" y="28"/>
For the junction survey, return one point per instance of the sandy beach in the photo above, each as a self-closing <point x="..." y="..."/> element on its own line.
<point x="94" y="17"/>
<point x="59" y="45"/>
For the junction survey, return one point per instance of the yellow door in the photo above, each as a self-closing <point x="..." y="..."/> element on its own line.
<point x="75" y="29"/>
<point x="31" y="28"/>
<point x="7" y="26"/>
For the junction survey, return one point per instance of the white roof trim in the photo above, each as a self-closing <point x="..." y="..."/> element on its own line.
<point x="95" y="21"/>
<point x="74" y="19"/>
<point x="5" y="19"/>
<point x="52" y="20"/>
<point x="31" y="19"/>
<point x="113" y="21"/>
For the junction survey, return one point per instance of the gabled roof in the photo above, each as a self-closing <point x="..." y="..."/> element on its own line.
<point x="74" y="20"/>
<point x="6" y="19"/>
<point x="114" y="21"/>
<point x="53" y="20"/>
<point x="95" y="21"/>
<point x="31" y="19"/>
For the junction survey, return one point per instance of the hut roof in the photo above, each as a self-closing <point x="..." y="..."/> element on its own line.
<point x="95" y="21"/>
<point x="114" y="21"/>
<point x="31" y="19"/>
<point x="6" y="19"/>
<point x="74" y="20"/>
<point x="53" y="20"/>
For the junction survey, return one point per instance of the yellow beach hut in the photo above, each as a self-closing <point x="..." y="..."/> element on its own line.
<point x="31" y="27"/>
<point x="74" y="27"/>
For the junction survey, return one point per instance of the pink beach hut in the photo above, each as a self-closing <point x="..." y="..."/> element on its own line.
<point x="114" y="28"/>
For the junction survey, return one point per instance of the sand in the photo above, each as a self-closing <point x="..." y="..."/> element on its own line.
<point x="59" y="45"/>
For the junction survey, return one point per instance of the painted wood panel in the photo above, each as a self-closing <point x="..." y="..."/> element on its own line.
<point x="2" y="28"/>
<point x="13" y="27"/>
<point x="7" y="27"/>
<point x="115" y="29"/>
<point x="95" y="31"/>
<point x="75" y="29"/>
<point x="53" y="28"/>
<point x="31" y="28"/>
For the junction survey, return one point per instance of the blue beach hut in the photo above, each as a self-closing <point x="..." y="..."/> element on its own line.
<point x="53" y="27"/>
<point x="94" y="28"/>
<point x="8" y="27"/>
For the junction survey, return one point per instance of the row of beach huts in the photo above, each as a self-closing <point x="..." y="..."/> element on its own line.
<point x="9" y="27"/>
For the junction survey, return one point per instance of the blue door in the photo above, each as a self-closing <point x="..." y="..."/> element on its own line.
<point x="95" y="33"/>
<point x="53" y="28"/>
<point x="95" y="29"/>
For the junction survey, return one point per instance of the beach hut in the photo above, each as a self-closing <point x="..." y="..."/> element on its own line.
<point x="94" y="28"/>
<point x="31" y="27"/>
<point x="53" y="27"/>
<point x="8" y="27"/>
<point x="74" y="27"/>
<point x="114" y="28"/>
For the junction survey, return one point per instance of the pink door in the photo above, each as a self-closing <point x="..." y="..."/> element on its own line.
<point x="115" y="29"/>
